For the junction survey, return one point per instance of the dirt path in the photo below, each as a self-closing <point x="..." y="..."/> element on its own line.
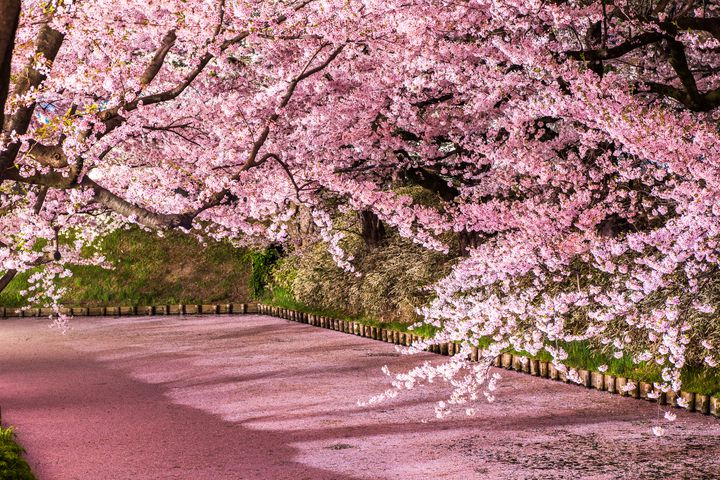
<point x="253" y="397"/>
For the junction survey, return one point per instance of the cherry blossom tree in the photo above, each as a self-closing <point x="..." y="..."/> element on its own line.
<point x="572" y="148"/>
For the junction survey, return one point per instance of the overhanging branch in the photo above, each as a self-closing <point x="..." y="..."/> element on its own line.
<point x="141" y="215"/>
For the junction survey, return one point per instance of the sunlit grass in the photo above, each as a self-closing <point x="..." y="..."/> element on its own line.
<point x="150" y="270"/>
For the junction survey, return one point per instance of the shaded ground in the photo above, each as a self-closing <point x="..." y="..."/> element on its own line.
<point x="245" y="397"/>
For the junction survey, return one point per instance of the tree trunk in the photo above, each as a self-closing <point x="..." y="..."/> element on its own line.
<point x="9" y="14"/>
<point x="7" y="278"/>
<point x="373" y="230"/>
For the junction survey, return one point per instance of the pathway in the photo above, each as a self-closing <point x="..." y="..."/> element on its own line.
<point x="255" y="397"/>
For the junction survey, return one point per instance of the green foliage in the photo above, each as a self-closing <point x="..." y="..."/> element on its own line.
<point x="10" y="297"/>
<point x="152" y="270"/>
<point x="389" y="284"/>
<point x="261" y="263"/>
<point x="12" y="465"/>
<point x="701" y="380"/>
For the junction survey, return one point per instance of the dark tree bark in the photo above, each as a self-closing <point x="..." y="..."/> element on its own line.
<point x="48" y="42"/>
<point x="433" y="182"/>
<point x="7" y="278"/>
<point x="613" y="226"/>
<point x="468" y="240"/>
<point x="145" y="217"/>
<point x="373" y="230"/>
<point x="9" y="14"/>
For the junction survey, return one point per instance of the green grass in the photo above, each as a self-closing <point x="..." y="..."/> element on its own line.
<point x="12" y="465"/>
<point x="152" y="270"/>
<point x="694" y="378"/>
<point x="261" y="263"/>
<point x="580" y="355"/>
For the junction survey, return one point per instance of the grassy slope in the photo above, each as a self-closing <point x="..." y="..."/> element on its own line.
<point x="12" y="465"/>
<point x="153" y="270"/>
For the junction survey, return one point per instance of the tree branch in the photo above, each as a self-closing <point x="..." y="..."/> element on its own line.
<point x="617" y="51"/>
<point x="158" y="60"/>
<point x="141" y="215"/>
<point x="705" y="24"/>
<point x="112" y="118"/>
<point x="10" y="10"/>
<point x="704" y="102"/>
<point x="433" y="101"/>
<point x="7" y="278"/>
<point x="49" y="42"/>
<point x="257" y="145"/>
<point x="678" y="60"/>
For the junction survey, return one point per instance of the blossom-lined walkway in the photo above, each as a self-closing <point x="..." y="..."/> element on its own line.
<point x="254" y="397"/>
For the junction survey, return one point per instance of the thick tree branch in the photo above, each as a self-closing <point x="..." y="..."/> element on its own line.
<point x="156" y="63"/>
<point x="7" y="278"/>
<point x="48" y="44"/>
<point x="141" y="215"/>
<point x="40" y="200"/>
<point x="52" y="179"/>
<point x="703" y="102"/>
<point x="9" y="15"/>
<point x="707" y="24"/>
<point x="49" y="156"/>
<point x="433" y="101"/>
<point x="678" y="60"/>
<point x="689" y="95"/>
<point x="106" y="198"/>
<point x="617" y="51"/>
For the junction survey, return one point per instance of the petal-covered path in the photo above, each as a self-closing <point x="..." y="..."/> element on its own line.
<point x="254" y="397"/>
